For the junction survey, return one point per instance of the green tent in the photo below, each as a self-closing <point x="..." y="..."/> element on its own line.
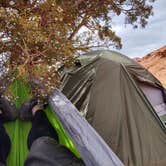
<point x="124" y="103"/>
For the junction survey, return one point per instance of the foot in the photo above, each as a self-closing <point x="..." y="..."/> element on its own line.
<point x="8" y="111"/>
<point x="28" y="109"/>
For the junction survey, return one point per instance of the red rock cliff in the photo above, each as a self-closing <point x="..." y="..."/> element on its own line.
<point x="155" y="62"/>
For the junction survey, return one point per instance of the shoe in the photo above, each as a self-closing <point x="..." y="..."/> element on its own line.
<point x="25" y="112"/>
<point x="8" y="111"/>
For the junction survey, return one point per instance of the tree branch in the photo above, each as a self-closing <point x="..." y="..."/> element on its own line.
<point x="85" y="18"/>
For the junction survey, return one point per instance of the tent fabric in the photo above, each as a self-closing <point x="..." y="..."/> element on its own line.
<point x="155" y="97"/>
<point x="105" y="89"/>
<point x="93" y="149"/>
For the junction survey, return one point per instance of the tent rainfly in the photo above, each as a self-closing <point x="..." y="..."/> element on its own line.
<point x="123" y="102"/>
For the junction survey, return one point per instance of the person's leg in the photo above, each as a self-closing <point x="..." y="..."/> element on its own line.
<point x="43" y="144"/>
<point x="40" y="127"/>
<point x="8" y="112"/>
<point x="5" y="144"/>
<point x="47" y="151"/>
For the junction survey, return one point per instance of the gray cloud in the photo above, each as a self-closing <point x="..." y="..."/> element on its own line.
<point x="139" y="42"/>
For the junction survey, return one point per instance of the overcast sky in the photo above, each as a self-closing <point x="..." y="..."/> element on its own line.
<point x="139" y="42"/>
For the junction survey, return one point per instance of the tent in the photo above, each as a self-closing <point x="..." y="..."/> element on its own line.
<point x="123" y="102"/>
<point x="73" y="130"/>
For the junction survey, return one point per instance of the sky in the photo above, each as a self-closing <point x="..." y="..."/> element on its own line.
<point x="141" y="41"/>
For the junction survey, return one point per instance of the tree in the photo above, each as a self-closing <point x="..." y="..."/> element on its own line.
<point x="36" y="34"/>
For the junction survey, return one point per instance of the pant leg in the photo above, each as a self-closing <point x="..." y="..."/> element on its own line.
<point x="46" y="151"/>
<point x="40" y="127"/>
<point x="5" y="144"/>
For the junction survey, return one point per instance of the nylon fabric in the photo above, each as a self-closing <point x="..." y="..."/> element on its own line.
<point x="83" y="135"/>
<point x="117" y="108"/>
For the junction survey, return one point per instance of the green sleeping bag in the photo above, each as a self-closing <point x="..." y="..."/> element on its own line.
<point x="18" y="130"/>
